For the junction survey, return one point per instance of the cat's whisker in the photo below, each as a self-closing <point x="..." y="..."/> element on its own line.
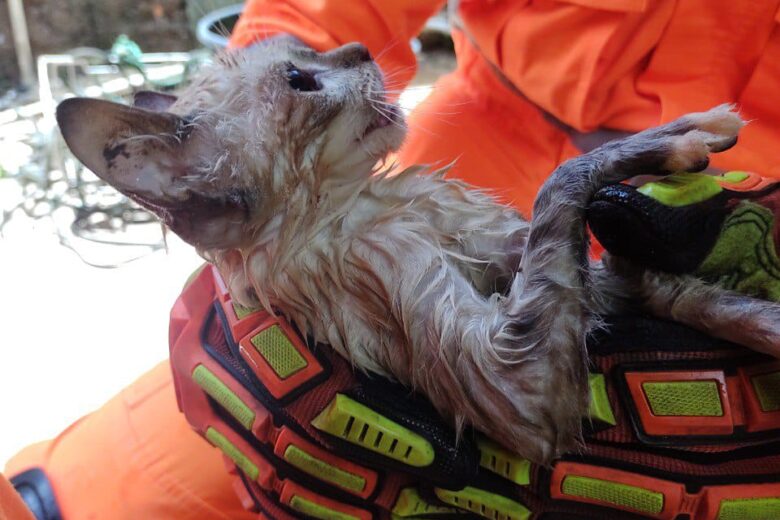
<point x="423" y="110"/>
<point x="414" y="89"/>
<point x="387" y="111"/>
<point x="387" y="48"/>
<point x="391" y="76"/>
<point x="393" y="80"/>
<point x="423" y="107"/>
<point x="398" y="70"/>
<point x="381" y="102"/>
<point x="414" y="125"/>
<point x="410" y="87"/>
<point x="419" y="108"/>
<point x="390" y="116"/>
<point x="201" y="10"/>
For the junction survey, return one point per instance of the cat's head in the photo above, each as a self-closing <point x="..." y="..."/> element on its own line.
<point x="259" y="126"/>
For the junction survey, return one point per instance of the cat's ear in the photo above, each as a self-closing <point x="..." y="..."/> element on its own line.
<point x="154" y="101"/>
<point x="151" y="157"/>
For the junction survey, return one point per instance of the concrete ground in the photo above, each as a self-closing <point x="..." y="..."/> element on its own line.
<point x="73" y="335"/>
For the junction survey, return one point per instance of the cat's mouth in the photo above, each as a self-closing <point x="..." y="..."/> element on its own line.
<point x="386" y="116"/>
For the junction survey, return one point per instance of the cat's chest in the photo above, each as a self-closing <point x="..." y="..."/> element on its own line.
<point x="332" y="256"/>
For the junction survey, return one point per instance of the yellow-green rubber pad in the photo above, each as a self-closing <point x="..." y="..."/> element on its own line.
<point x="749" y="509"/>
<point x="767" y="388"/>
<point x="242" y="312"/>
<point x="307" y="507"/>
<point x="617" y="494"/>
<point x="279" y="352"/>
<point x="233" y="453"/>
<point x="682" y="189"/>
<point x="410" y="503"/>
<point x="358" y="424"/>
<point x="322" y="470"/>
<point x="735" y="177"/>
<point x="484" y="503"/>
<point x="218" y="391"/>
<point x="684" y="398"/>
<point x="503" y="462"/>
<point x="599" y="408"/>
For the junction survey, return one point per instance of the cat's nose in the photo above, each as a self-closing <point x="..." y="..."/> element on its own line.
<point x="351" y="54"/>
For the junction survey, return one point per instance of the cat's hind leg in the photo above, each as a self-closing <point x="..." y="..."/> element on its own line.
<point x="621" y="286"/>
<point x="550" y="300"/>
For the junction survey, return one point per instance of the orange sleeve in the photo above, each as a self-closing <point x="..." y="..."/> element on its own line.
<point x="11" y="505"/>
<point x="384" y="26"/>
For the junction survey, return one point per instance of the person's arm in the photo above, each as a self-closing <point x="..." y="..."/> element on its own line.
<point x="386" y="28"/>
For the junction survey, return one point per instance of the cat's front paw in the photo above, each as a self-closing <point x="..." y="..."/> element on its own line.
<point x="695" y="136"/>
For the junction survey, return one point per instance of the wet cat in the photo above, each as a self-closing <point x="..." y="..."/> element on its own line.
<point x="266" y="164"/>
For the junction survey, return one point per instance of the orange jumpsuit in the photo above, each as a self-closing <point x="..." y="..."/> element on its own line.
<point x="576" y="64"/>
<point x="567" y="66"/>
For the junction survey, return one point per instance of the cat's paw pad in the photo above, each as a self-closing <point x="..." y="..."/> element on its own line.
<point x="703" y="133"/>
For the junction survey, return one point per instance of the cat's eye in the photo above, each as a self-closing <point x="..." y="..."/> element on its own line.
<point x="302" y="80"/>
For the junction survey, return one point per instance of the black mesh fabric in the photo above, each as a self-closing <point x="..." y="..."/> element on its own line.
<point x="625" y="340"/>
<point x="638" y="333"/>
<point x="456" y="461"/>
<point x="673" y="239"/>
<point x="638" y="341"/>
<point x="216" y="341"/>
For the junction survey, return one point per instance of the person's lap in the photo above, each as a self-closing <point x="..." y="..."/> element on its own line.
<point x="135" y="457"/>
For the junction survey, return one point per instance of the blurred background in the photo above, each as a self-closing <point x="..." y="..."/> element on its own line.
<point x="88" y="278"/>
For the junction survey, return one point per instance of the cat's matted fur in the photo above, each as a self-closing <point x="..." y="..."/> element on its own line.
<point x="266" y="165"/>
